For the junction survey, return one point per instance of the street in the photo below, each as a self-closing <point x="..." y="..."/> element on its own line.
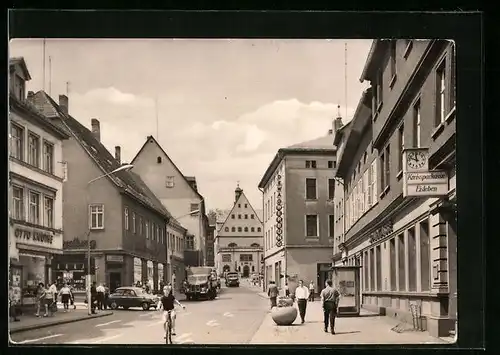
<point x="232" y="318"/>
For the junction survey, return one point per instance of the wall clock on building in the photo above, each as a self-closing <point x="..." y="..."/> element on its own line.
<point x="416" y="160"/>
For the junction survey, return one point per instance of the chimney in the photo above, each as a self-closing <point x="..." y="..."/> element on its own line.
<point x="237" y="193"/>
<point x="337" y="124"/>
<point x="63" y="103"/>
<point x="96" y="129"/>
<point x="31" y="95"/>
<point x="118" y="152"/>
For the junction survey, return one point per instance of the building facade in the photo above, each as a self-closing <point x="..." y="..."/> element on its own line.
<point x="298" y="191"/>
<point x="405" y="245"/>
<point x="124" y="221"/>
<point x="178" y="193"/>
<point x="240" y="239"/>
<point x="176" y="234"/>
<point x="211" y="243"/>
<point x="36" y="177"/>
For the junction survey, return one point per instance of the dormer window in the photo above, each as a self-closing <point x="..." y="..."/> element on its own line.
<point x="158" y="160"/>
<point x="20" y="86"/>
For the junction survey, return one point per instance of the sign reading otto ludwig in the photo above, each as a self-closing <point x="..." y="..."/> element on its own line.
<point x="418" y="180"/>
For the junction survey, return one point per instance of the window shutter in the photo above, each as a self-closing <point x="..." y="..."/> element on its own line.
<point x="374" y="182"/>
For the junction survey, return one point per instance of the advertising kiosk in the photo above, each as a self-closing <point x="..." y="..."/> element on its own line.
<point x="346" y="279"/>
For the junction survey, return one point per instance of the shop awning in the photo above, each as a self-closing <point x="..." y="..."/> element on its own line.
<point x="37" y="249"/>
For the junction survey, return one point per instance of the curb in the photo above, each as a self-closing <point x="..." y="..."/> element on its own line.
<point x="58" y="322"/>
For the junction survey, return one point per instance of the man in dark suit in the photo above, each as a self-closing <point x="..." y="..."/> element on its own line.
<point x="272" y="292"/>
<point x="330" y="300"/>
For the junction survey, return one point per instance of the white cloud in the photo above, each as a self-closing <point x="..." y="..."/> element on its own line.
<point x="218" y="153"/>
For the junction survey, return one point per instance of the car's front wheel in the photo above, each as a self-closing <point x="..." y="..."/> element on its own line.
<point x="113" y="305"/>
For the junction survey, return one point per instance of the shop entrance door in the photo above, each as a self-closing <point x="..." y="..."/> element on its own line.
<point x="246" y="271"/>
<point x="115" y="280"/>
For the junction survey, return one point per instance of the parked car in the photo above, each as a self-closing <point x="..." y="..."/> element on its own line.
<point x="127" y="297"/>
<point x="232" y="279"/>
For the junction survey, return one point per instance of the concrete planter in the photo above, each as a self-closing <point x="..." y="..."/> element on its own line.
<point x="284" y="315"/>
<point x="284" y="301"/>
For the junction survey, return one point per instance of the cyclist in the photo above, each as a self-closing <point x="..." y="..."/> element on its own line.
<point x="167" y="302"/>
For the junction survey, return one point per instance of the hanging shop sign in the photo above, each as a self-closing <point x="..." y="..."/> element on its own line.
<point x="381" y="232"/>
<point x="26" y="235"/>
<point x="78" y="244"/>
<point x="114" y="258"/>
<point x="279" y="213"/>
<point x="418" y="180"/>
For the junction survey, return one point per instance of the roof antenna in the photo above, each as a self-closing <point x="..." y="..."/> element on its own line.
<point x="345" y="88"/>
<point x="156" y="113"/>
<point x="67" y="88"/>
<point x="50" y="75"/>
<point x="338" y="110"/>
<point x="43" y="60"/>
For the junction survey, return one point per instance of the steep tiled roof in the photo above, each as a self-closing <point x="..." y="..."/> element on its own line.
<point x="20" y="60"/>
<point x="124" y="180"/>
<point x="325" y="142"/>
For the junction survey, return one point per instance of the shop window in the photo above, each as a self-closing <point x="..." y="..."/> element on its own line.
<point x="372" y="270"/>
<point x="412" y="260"/>
<point x="401" y="263"/>
<point x="366" y="264"/>
<point x="392" y="252"/>
<point x="379" y="267"/>
<point x="425" y="262"/>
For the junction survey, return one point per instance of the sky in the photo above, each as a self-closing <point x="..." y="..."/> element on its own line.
<point x="220" y="108"/>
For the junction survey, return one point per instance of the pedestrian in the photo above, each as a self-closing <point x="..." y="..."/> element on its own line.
<point x="72" y="297"/>
<point x="302" y="294"/>
<point x="287" y="290"/>
<point x="311" y="291"/>
<point x="93" y="297"/>
<point x="54" y="292"/>
<point x="49" y="300"/>
<point x="40" y="298"/>
<point x="106" y="296"/>
<point x="100" y="296"/>
<point x="330" y="300"/>
<point x="65" y="294"/>
<point x="272" y="292"/>
<point x="12" y="304"/>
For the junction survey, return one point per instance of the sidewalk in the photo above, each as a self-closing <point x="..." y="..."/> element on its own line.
<point x="29" y="321"/>
<point x="368" y="328"/>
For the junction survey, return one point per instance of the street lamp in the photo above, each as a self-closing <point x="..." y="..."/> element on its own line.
<point x="89" y="278"/>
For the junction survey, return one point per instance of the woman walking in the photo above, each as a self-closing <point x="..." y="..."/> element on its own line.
<point x="40" y="298"/>
<point x="65" y="294"/>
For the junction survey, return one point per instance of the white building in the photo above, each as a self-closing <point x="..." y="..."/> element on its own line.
<point x="36" y="175"/>
<point x="239" y="241"/>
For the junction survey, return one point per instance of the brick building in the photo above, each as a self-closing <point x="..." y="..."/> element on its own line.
<point x="405" y="245"/>
<point x="125" y="220"/>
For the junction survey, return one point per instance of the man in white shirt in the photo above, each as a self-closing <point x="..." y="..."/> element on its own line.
<point x="100" y="296"/>
<point x="302" y="294"/>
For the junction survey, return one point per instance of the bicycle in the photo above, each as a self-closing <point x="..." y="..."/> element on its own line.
<point x="168" y="329"/>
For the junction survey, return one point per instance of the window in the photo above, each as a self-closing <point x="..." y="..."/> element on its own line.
<point x="452" y="77"/>
<point x="239" y="229"/>
<point x="158" y="236"/>
<point x="378" y="255"/>
<point x="126" y="218"/>
<point x="372" y="270"/>
<point x="377" y="98"/>
<point x="385" y="176"/>
<point x="246" y="257"/>
<point x="258" y="229"/>
<point x="252" y="229"/>
<point x="366" y="263"/>
<point x="190" y="242"/>
<point x="226" y="258"/>
<point x="140" y="225"/>
<point x="239" y="216"/>
<point x="331" y="225"/>
<point x="146" y="228"/>
<point x="331" y="189"/>
<point x="48" y="157"/>
<point x="194" y="208"/>
<point x="401" y="139"/>
<point x="393" y="61"/>
<point x="246" y="216"/>
<point x="34" y="208"/>
<point x="310" y="164"/>
<point x="233" y="229"/>
<point x="402" y="262"/>
<point x="330" y="164"/>
<point x="33" y="150"/>
<point x="226" y="229"/>
<point x="97" y="216"/>
<point x="412" y="260"/>
<point x="48" y="213"/>
<point x="17" y="141"/>
<point x="311" y="226"/>
<point x="170" y="182"/>
<point x="252" y="216"/>
<point x="311" y="189"/>
<point x="239" y="205"/>
<point x="392" y="253"/>
<point x="17" y="203"/>
<point x="246" y="206"/>
<point x="374" y="183"/>
<point x="158" y="160"/>
<point x="425" y="261"/>
<point x="441" y="93"/>
<point x="134" y="229"/>
<point x="246" y="229"/>
<point x="416" y="125"/>
<point x="232" y="216"/>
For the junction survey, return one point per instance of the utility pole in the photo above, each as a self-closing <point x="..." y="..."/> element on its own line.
<point x="50" y="75"/>
<point x="43" y="65"/>
<point x="345" y="79"/>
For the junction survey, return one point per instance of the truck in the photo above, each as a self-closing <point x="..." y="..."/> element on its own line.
<point x="232" y="279"/>
<point x="200" y="283"/>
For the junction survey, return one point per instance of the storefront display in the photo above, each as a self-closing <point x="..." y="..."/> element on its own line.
<point x="160" y="274"/>
<point x="150" y="273"/>
<point x="33" y="272"/>
<point x="137" y="270"/>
